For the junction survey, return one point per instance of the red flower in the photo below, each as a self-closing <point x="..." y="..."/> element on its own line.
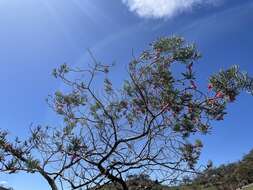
<point x="219" y="95"/>
<point x="210" y="86"/>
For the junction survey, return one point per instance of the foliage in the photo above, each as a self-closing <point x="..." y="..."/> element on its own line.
<point x="144" y="127"/>
<point x="231" y="176"/>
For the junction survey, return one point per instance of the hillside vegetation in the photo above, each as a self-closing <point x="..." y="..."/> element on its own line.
<point x="225" y="177"/>
<point x="231" y="176"/>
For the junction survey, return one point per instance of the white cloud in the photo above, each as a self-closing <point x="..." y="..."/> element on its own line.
<point x="3" y="183"/>
<point x="163" y="8"/>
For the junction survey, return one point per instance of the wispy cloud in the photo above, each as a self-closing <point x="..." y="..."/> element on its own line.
<point x="163" y="8"/>
<point x="3" y="183"/>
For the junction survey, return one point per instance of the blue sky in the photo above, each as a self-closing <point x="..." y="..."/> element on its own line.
<point x="37" y="36"/>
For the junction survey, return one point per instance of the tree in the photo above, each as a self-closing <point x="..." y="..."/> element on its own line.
<point x="230" y="176"/>
<point x="143" y="127"/>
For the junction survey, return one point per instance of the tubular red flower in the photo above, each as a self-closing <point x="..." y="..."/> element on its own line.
<point x="219" y="95"/>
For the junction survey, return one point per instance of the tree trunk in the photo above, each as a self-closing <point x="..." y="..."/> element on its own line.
<point x="124" y="185"/>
